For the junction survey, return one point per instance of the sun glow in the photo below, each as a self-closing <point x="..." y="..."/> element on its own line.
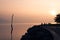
<point x="53" y="12"/>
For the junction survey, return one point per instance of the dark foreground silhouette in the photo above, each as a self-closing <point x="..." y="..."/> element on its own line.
<point x="37" y="33"/>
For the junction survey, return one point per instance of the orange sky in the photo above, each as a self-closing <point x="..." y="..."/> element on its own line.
<point x="29" y="10"/>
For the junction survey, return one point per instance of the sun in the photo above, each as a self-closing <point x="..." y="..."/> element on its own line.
<point x="53" y="12"/>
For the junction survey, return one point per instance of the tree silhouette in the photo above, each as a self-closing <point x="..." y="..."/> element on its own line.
<point x="37" y="33"/>
<point x="57" y="18"/>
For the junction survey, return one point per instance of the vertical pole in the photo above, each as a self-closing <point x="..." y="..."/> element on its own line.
<point x="12" y="25"/>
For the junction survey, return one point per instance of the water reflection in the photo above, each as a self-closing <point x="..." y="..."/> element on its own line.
<point x="18" y="30"/>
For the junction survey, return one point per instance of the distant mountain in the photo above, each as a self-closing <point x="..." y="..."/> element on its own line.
<point x="4" y="21"/>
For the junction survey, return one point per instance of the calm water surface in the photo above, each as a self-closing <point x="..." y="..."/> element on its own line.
<point x="18" y="30"/>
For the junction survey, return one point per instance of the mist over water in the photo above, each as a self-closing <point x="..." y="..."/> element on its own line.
<point x="18" y="30"/>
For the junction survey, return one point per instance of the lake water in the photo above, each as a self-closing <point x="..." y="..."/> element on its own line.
<point x="18" y="30"/>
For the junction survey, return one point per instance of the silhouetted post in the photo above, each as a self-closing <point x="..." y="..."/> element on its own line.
<point x="12" y="25"/>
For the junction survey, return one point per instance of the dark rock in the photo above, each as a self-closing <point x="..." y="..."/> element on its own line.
<point x="37" y="33"/>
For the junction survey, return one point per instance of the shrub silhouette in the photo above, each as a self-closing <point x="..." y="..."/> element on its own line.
<point x="57" y="18"/>
<point x="37" y="33"/>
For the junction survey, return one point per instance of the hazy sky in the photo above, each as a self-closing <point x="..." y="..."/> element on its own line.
<point x="29" y="10"/>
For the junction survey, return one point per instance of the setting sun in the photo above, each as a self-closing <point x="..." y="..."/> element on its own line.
<point x="53" y="12"/>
